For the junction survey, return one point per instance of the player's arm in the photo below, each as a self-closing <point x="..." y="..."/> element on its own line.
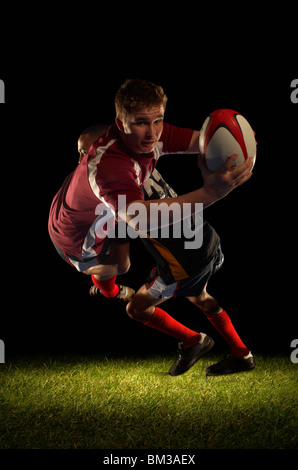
<point x="216" y="186"/>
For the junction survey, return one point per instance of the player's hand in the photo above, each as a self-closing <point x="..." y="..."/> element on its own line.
<point x="221" y="182"/>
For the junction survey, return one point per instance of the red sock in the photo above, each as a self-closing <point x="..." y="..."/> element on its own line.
<point x="108" y="288"/>
<point x="162" y="321"/>
<point x="225" y="327"/>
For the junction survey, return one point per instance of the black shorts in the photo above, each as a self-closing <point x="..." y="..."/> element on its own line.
<point x="189" y="287"/>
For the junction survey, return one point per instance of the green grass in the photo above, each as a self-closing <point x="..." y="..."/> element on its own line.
<point x="132" y="403"/>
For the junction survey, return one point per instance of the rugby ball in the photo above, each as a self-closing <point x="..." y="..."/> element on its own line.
<point x="223" y="133"/>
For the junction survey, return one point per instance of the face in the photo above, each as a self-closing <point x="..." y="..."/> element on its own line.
<point x="142" y="129"/>
<point x="84" y="143"/>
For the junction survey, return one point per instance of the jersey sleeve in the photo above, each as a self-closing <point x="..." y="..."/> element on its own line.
<point x="175" y="139"/>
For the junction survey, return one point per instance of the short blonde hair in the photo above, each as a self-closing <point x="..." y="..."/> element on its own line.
<point x="135" y="94"/>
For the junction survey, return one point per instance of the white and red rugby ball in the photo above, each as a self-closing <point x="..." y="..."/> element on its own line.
<point x="223" y="133"/>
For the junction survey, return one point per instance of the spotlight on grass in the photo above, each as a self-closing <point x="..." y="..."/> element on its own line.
<point x="132" y="403"/>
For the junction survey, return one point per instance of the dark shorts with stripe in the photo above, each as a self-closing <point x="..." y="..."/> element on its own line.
<point x="189" y="287"/>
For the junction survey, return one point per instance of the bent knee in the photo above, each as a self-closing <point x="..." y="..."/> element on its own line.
<point x="138" y="310"/>
<point x="124" y="266"/>
<point x="134" y="312"/>
<point x="208" y="305"/>
<point x="212" y="311"/>
<point x="131" y="311"/>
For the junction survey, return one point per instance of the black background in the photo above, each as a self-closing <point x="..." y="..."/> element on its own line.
<point x="55" y="92"/>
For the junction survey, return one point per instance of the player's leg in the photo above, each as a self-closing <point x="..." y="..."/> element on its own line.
<point x="104" y="275"/>
<point x="207" y="304"/>
<point x="143" y="308"/>
<point x="221" y="321"/>
<point x="192" y="345"/>
<point x="240" y="357"/>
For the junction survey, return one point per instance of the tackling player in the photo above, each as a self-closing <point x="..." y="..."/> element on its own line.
<point x="88" y="136"/>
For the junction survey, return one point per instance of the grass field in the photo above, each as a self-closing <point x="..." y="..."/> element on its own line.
<point x="99" y="402"/>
